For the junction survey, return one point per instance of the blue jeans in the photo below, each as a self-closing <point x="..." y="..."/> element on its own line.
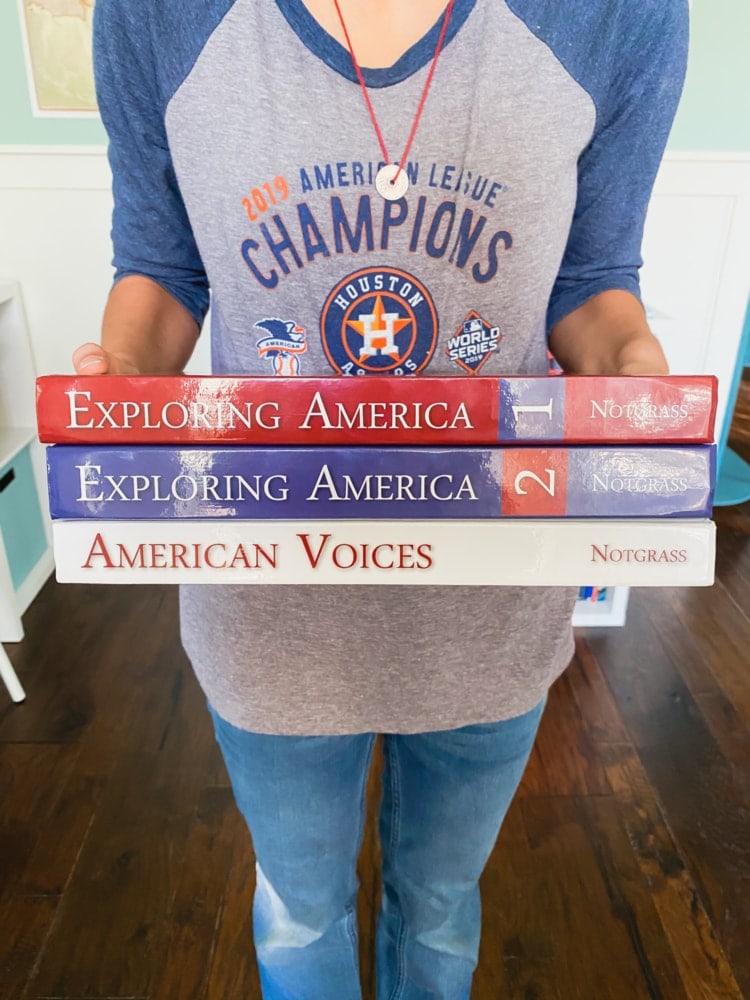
<point x="445" y="795"/>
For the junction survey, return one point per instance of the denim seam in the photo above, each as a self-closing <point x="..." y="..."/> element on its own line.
<point x="394" y="839"/>
<point x="351" y="929"/>
<point x="351" y="923"/>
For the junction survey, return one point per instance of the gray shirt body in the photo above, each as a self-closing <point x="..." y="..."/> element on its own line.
<point x="254" y="164"/>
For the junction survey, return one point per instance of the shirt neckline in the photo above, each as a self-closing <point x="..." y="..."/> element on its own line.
<point x="338" y="58"/>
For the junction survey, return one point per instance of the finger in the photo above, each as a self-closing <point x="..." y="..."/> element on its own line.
<point x="91" y="359"/>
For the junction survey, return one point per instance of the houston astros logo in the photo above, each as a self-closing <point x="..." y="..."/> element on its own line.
<point x="379" y="321"/>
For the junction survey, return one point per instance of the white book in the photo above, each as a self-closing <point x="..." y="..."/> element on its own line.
<point x="563" y="552"/>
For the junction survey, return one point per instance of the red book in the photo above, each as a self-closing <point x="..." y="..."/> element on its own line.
<point x="428" y="410"/>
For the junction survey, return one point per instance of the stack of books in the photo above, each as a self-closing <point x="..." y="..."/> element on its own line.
<point x="519" y="481"/>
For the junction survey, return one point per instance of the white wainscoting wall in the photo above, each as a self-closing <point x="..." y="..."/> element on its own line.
<point x="55" y="208"/>
<point x="696" y="276"/>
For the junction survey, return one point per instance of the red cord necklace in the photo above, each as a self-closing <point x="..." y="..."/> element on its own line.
<point x="391" y="180"/>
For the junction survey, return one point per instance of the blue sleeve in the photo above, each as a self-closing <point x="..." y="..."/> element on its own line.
<point x="151" y="232"/>
<point x="636" y="84"/>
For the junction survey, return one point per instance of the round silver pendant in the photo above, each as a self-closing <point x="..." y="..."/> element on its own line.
<point x="391" y="182"/>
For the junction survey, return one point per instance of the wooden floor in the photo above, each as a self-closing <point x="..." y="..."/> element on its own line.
<point x="623" y="870"/>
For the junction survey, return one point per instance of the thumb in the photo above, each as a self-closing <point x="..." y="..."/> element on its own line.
<point x="92" y="359"/>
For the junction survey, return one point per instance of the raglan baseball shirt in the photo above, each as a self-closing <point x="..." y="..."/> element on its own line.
<point x="244" y="159"/>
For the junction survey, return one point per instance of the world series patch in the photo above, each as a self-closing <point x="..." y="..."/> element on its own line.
<point x="379" y="321"/>
<point x="473" y="342"/>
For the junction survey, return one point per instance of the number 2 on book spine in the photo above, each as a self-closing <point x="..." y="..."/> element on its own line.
<point x="549" y="486"/>
<point x="535" y="482"/>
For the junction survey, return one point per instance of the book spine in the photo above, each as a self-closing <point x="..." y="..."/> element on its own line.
<point x="457" y="553"/>
<point x="424" y="410"/>
<point x="153" y="482"/>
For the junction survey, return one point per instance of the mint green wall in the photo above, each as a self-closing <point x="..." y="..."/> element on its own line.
<point x="715" y="110"/>
<point x="17" y="123"/>
<point x="714" y="114"/>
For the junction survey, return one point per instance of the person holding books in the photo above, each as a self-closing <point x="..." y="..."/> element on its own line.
<point x="380" y="188"/>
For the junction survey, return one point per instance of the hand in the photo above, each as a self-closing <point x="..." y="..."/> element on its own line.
<point x="92" y="359"/>
<point x="657" y="366"/>
<point x="608" y="335"/>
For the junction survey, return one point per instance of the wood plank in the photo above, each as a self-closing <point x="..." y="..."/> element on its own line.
<point x="549" y="910"/>
<point x="727" y="727"/>
<point x="721" y="631"/>
<point x="729" y="731"/>
<point x="630" y="898"/>
<point x="52" y="858"/>
<point x="593" y="696"/>
<point x="111" y="920"/>
<point x="733" y="529"/>
<point x="25" y="923"/>
<point x="563" y="760"/>
<point x="28" y="808"/>
<point x="196" y="910"/>
<point x="234" y="970"/>
<point x="733" y="554"/>
<point x="111" y="928"/>
<point x="686" y="766"/>
<point x="87" y="672"/>
<point x="516" y="959"/>
<point x="703" y="965"/>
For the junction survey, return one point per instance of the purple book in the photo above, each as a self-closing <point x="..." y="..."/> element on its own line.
<point x="155" y="481"/>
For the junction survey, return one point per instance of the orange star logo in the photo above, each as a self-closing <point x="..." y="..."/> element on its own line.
<point x="378" y="331"/>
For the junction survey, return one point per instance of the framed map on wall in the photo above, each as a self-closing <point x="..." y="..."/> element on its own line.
<point x="57" y="39"/>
